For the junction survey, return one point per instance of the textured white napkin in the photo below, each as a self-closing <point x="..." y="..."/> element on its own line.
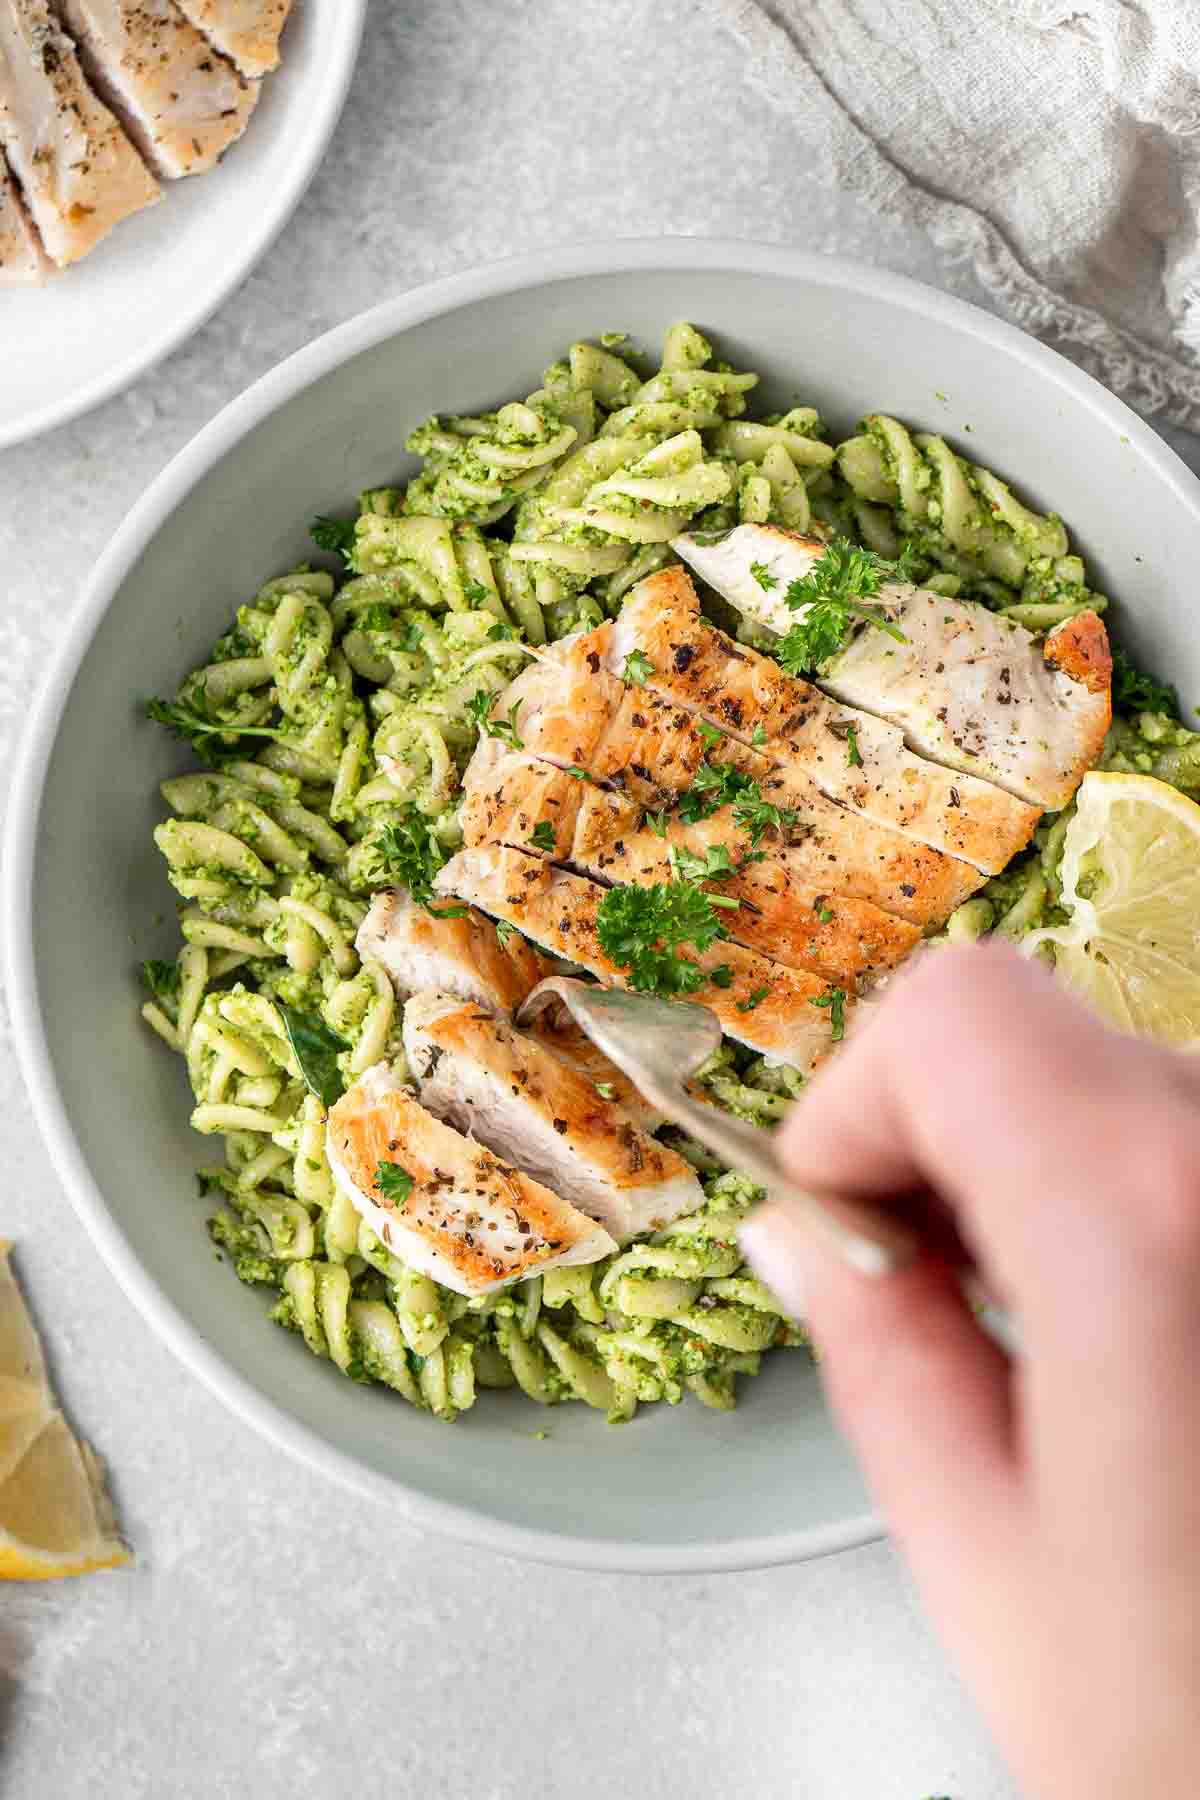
<point x="1053" y="145"/>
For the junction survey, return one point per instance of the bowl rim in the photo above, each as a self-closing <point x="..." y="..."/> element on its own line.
<point x="675" y="255"/>
<point x="348" y="19"/>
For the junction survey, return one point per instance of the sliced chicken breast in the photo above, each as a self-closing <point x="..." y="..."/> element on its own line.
<point x="782" y="1012"/>
<point x="557" y="1031"/>
<point x="462" y="956"/>
<point x="511" y="797"/>
<point x="855" y="759"/>
<point x="782" y="915"/>
<point x="246" y="31"/>
<point x="78" y="172"/>
<point x="968" y="688"/>
<point x="508" y="1090"/>
<point x="22" y="259"/>
<point x="181" y="103"/>
<point x="468" y="1219"/>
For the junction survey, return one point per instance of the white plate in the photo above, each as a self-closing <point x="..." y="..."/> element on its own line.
<point x="92" y="330"/>
<point x="681" y="1488"/>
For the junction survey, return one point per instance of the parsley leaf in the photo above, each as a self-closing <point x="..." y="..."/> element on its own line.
<point x="853" y="754"/>
<point x="832" y="595"/>
<point x="394" y="1183"/>
<point x="758" y="735"/>
<point x="756" y="815"/>
<point x="542" y="836"/>
<point x="501" y="629"/>
<point x="722" y="976"/>
<point x="640" y="929"/>
<point x="714" y="865"/>
<point x="712" y="734"/>
<point x="638" y="669"/>
<point x="476" y="593"/>
<point x="711" y="789"/>
<point x="835" y="1000"/>
<point x="763" y="576"/>
<point x="1134" y="692"/>
<point x="336" y="535"/>
<point x="821" y="908"/>
<point x="202" y="729"/>
<point x="577" y="774"/>
<point x="316" y="1050"/>
<point x="480" y="705"/>
<point x="162" y="979"/>
<point x="412" y="853"/>
<point x="753" y="1000"/>
<point x="658" y="822"/>
<point x="504" y="932"/>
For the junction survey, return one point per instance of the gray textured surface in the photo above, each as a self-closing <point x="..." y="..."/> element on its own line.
<point x="277" y="1637"/>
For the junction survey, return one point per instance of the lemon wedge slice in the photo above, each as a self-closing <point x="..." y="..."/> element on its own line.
<point x="1131" y="880"/>
<point x="55" y="1515"/>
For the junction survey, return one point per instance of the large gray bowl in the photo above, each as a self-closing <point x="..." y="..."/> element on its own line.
<point x="678" y="1488"/>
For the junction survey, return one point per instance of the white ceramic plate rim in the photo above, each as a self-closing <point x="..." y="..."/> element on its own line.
<point x="631" y="255"/>
<point x="328" y="100"/>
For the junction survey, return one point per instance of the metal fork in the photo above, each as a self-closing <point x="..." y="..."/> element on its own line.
<point x="658" y="1044"/>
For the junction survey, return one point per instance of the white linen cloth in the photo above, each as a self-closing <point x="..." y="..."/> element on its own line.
<point x="1054" y="145"/>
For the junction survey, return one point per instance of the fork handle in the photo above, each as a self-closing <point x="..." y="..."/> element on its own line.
<point x="866" y="1237"/>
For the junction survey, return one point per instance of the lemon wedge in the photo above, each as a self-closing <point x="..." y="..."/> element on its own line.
<point x="1131" y="881"/>
<point x="55" y="1515"/>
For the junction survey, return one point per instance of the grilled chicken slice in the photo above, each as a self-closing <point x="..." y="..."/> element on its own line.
<point x="969" y="688"/>
<point x="22" y="259"/>
<point x="782" y="1012"/>
<point x="180" y="103"/>
<point x="557" y="1031"/>
<point x="511" y="797"/>
<point x="246" y="31"/>
<point x="856" y="759"/>
<point x="462" y="956"/>
<point x="469" y="1220"/>
<point x="782" y="914"/>
<point x="508" y="1090"/>
<point x="78" y="172"/>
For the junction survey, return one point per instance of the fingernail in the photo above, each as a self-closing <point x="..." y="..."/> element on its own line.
<point x="774" y="1246"/>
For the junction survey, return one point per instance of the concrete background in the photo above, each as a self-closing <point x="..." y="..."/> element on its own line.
<point x="277" y="1637"/>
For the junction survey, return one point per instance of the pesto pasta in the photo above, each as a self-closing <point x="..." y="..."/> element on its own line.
<point x="334" y="720"/>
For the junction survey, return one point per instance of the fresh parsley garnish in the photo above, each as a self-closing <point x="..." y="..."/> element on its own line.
<point x="753" y="1000"/>
<point x="316" y="1049"/>
<point x="712" y="734"/>
<point x="605" y="1089"/>
<point x="203" y="730"/>
<point x="714" y="786"/>
<point x="821" y="908"/>
<point x="334" y="535"/>
<point x="542" y="835"/>
<point x="835" y="1000"/>
<point x="853" y="754"/>
<point x="412" y="854"/>
<point x="162" y="979"/>
<point x="758" y="735"/>
<point x="832" y="595"/>
<point x="638" y="669"/>
<point x="714" y="865"/>
<point x="722" y="976"/>
<point x="504" y="932"/>
<point x="763" y="576"/>
<point x="476" y="593"/>
<point x="1134" y="692"/>
<point x="577" y="774"/>
<point x="757" y="816"/>
<point x="412" y="637"/>
<point x="501" y="629"/>
<point x="641" y="928"/>
<point x="455" y="910"/>
<point x="394" y="1183"/>
<point x="658" y="822"/>
<point x="480" y="705"/>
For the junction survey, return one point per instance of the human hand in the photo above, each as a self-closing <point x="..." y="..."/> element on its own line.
<point x="1049" y="1507"/>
